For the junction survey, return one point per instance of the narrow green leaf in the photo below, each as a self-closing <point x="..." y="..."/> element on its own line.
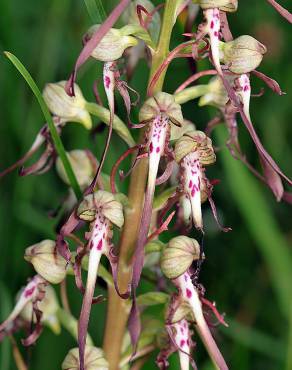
<point x="258" y="217"/>
<point x="255" y="339"/>
<point x="56" y="138"/>
<point x="95" y="10"/>
<point x="5" y="309"/>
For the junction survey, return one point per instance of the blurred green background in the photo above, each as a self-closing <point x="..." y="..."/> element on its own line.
<point x="248" y="271"/>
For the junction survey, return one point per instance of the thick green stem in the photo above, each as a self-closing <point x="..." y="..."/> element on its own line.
<point x="169" y="19"/>
<point x="118" y="310"/>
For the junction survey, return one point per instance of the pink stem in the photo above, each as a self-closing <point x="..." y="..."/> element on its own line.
<point x="284" y="12"/>
<point x="195" y="77"/>
<point x="98" y="246"/>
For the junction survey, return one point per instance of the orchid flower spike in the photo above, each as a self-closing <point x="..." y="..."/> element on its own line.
<point x="193" y="151"/>
<point x="102" y="211"/>
<point x="176" y="261"/>
<point x="33" y="292"/>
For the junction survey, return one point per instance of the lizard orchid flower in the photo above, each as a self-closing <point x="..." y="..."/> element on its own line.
<point x="176" y="261"/>
<point x="164" y="119"/>
<point x="102" y="211"/>
<point x="193" y="151"/>
<point x="33" y="292"/>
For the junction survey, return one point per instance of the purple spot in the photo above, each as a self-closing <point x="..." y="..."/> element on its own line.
<point x="157" y="149"/>
<point x="28" y="292"/>
<point x="91" y="244"/>
<point x="107" y="81"/>
<point x="190" y="184"/>
<point x="246" y="88"/>
<point x="188" y="293"/>
<point x="193" y="191"/>
<point x="151" y="147"/>
<point x="103" y="235"/>
<point x="216" y="33"/>
<point x="182" y="330"/>
<point x="182" y="343"/>
<point x="99" y="245"/>
<point x="188" y="342"/>
<point x="212" y="24"/>
<point x="186" y="278"/>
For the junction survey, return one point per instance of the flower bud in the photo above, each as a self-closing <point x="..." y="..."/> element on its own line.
<point x="46" y="261"/>
<point x="163" y="102"/>
<point x="178" y="256"/>
<point x="225" y="5"/>
<point x="93" y="359"/>
<point x="215" y="94"/>
<point x="104" y="202"/>
<point x="195" y="141"/>
<point x="49" y="307"/>
<point x="68" y="108"/>
<point x="242" y="55"/>
<point x="112" y="45"/>
<point x="82" y="166"/>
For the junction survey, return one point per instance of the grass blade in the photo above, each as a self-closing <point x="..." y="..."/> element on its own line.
<point x="259" y="220"/>
<point x="95" y="10"/>
<point x="56" y="138"/>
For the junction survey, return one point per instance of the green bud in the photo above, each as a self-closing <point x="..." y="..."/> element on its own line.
<point x="46" y="261"/>
<point x="93" y="359"/>
<point x="112" y="45"/>
<point x="178" y="256"/>
<point x="225" y="5"/>
<point x="82" y="167"/>
<point x="195" y="141"/>
<point x="242" y="55"/>
<point x="68" y="108"/>
<point x="163" y="102"/>
<point x="49" y="307"/>
<point x="106" y="203"/>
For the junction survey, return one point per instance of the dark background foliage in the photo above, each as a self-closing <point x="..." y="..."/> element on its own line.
<point x="248" y="271"/>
